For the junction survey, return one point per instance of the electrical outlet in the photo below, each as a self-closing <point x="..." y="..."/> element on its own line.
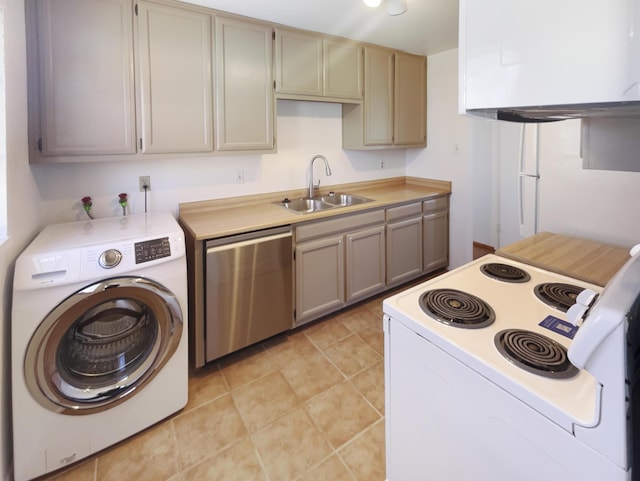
<point x="145" y="180"/>
<point x="239" y="176"/>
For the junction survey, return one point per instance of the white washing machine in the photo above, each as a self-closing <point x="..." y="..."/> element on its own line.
<point x="99" y="346"/>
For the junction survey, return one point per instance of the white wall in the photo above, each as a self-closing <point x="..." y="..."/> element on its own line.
<point x="441" y="160"/>
<point x="594" y="204"/>
<point x="23" y="202"/>
<point x="304" y="129"/>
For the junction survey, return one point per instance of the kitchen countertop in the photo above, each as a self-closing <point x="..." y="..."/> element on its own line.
<point x="223" y="217"/>
<point x="571" y="256"/>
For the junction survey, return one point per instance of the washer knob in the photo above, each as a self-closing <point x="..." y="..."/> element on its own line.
<point x="110" y="258"/>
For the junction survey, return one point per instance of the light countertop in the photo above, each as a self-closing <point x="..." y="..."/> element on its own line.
<point x="574" y="257"/>
<point x="218" y="218"/>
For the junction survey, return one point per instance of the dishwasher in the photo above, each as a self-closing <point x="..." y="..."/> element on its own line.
<point x="248" y="289"/>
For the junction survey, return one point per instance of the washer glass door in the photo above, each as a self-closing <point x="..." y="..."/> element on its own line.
<point x="102" y="344"/>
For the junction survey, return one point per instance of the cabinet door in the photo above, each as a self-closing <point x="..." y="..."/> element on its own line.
<point x="365" y="263"/>
<point x="319" y="277"/>
<point x="299" y="66"/>
<point x="175" y="55"/>
<point x="86" y="95"/>
<point x="404" y="250"/>
<point x="378" y="99"/>
<point x="410" y="124"/>
<point x="436" y="240"/>
<point x="342" y="69"/>
<point x="244" y="85"/>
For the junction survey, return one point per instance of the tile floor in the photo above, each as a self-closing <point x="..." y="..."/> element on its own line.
<point x="303" y="406"/>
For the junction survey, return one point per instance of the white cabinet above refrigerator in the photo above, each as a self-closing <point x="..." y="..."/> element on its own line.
<point x="549" y="59"/>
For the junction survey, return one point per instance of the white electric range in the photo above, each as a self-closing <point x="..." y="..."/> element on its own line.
<point x="481" y="384"/>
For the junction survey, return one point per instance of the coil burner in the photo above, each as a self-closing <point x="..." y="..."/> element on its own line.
<point x="535" y="353"/>
<point x="557" y="294"/>
<point x="457" y="308"/>
<point x="505" y="272"/>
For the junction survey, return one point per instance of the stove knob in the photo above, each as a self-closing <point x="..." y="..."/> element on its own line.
<point x="586" y="297"/>
<point x="576" y="313"/>
<point x="110" y="258"/>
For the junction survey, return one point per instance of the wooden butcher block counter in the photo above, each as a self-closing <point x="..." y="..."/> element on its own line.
<point x="574" y="257"/>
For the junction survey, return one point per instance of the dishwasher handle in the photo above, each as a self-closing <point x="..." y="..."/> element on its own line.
<point x="250" y="238"/>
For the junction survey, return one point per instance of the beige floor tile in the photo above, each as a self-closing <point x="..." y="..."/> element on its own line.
<point x="238" y="462"/>
<point x="365" y="455"/>
<point x="370" y="383"/>
<point x="290" y="446"/>
<point x="374" y="337"/>
<point x="246" y="365"/>
<point x="351" y="355"/>
<point x="148" y="456"/>
<point x="288" y="349"/>
<point x="311" y="375"/>
<point x="84" y="471"/>
<point x="206" y="430"/>
<point x="264" y="400"/>
<point x="341" y="413"/>
<point x="327" y="332"/>
<point x="375" y="305"/>
<point x="205" y="384"/>
<point x="330" y="470"/>
<point x="357" y="318"/>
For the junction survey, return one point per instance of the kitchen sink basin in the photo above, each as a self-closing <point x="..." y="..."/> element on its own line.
<point x="306" y="205"/>
<point x="344" y="200"/>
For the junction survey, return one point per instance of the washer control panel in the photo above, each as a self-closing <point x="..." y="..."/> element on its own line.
<point x="151" y="250"/>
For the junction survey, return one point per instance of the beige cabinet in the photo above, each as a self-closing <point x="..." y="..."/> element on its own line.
<point x="81" y="78"/>
<point x="410" y="100"/>
<point x="365" y="263"/>
<point x="244" y="101"/>
<point x="319" y="277"/>
<point x="315" y="66"/>
<point x="175" y="79"/>
<point x="338" y="261"/>
<point x="435" y="223"/>
<point x="404" y="243"/>
<point x="393" y="112"/>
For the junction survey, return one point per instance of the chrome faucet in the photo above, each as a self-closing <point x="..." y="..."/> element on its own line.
<point x="327" y="170"/>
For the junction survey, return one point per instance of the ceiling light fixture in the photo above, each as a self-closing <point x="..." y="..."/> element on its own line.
<point x="396" y="7"/>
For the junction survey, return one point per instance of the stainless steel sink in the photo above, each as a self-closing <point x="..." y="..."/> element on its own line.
<point x="339" y="199"/>
<point x="306" y="205"/>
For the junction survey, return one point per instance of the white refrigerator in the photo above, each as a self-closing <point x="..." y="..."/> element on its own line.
<point x="519" y="179"/>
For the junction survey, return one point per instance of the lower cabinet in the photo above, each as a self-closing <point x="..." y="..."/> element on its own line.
<point x="338" y="261"/>
<point x="365" y="263"/>
<point x="404" y="243"/>
<point x="346" y="259"/>
<point x="435" y="233"/>
<point x="319" y="277"/>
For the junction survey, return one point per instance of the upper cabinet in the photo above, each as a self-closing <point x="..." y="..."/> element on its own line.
<point x="316" y="67"/>
<point x="81" y="83"/>
<point x="244" y="85"/>
<point x="123" y="79"/>
<point x="393" y="112"/>
<point x="410" y="100"/>
<point x="175" y="79"/>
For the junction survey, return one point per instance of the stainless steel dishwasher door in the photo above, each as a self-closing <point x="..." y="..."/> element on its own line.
<point x="248" y="291"/>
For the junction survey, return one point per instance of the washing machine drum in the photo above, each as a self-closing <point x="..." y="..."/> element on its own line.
<point x="102" y="344"/>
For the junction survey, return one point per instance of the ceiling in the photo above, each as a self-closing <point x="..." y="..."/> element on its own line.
<point x="427" y="27"/>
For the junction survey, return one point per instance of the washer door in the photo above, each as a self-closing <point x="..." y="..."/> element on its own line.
<point x="102" y="344"/>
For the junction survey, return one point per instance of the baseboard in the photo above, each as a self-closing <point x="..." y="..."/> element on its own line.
<point x="480" y="249"/>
